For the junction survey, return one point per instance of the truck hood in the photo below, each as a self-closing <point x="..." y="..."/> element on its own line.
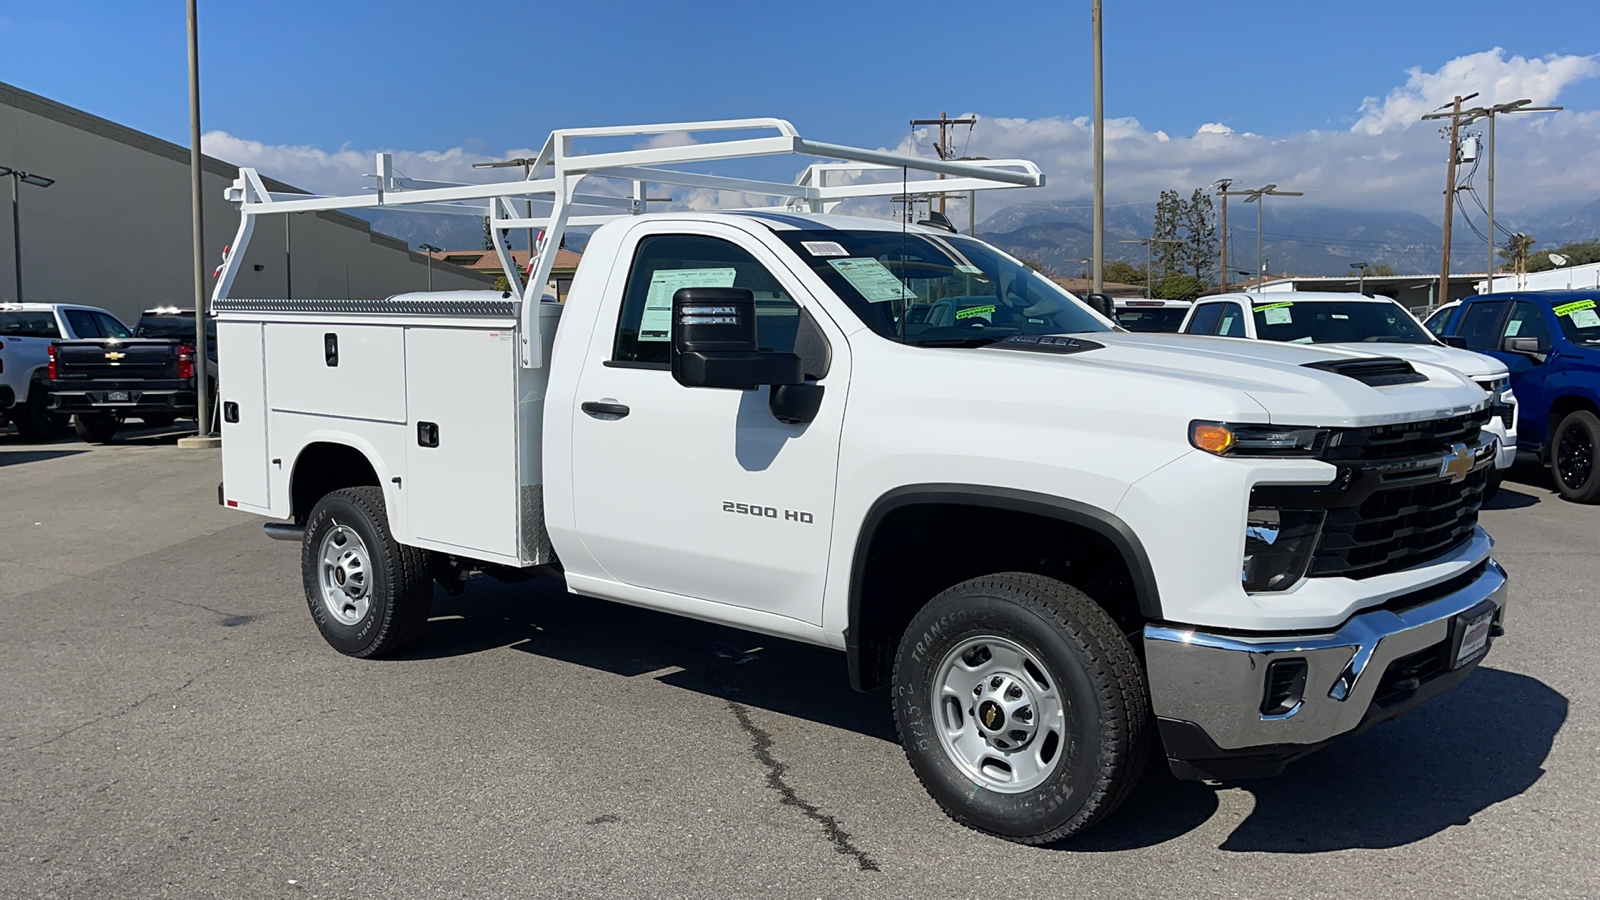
<point x="1275" y="376"/>
<point x="1473" y="365"/>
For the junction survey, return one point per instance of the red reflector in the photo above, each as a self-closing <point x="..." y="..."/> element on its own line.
<point x="233" y="503"/>
<point x="50" y="371"/>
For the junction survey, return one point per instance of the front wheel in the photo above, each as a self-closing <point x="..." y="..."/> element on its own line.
<point x="95" y="428"/>
<point x="33" y="418"/>
<point x="369" y="594"/>
<point x="1021" y="707"/>
<point x="1573" y="457"/>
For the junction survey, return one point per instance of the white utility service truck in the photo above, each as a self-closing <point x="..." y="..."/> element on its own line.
<point x="1059" y="544"/>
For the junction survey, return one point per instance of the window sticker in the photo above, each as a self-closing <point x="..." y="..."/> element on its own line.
<point x="1568" y="309"/>
<point x="1277" y="315"/>
<point x="873" y="279"/>
<point x="973" y="311"/>
<point x="656" y="323"/>
<point x="1512" y="327"/>
<point x="1260" y="308"/>
<point x="1585" y="318"/>
<point x="969" y="269"/>
<point x="825" y="248"/>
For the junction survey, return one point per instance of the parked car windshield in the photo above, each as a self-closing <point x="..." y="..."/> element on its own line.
<point x="173" y="326"/>
<point x="1168" y="319"/>
<point x="1338" y="322"/>
<point x="1580" y="320"/>
<point x="29" y="323"/>
<point x="938" y="290"/>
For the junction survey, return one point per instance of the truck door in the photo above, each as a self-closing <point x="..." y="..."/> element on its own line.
<point x="1528" y="374"/>
<point x="694" y="491"/>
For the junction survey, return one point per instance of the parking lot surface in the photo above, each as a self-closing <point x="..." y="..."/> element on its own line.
<point x="171" y="725"/>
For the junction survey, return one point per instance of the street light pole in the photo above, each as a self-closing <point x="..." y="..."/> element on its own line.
<point x="1361" y="284"/>
<point x="430" y="250"/>
<point x="202" y="383"/>
<point x="1491" y="113"/>
<point x="1255" y="196"/>
<point x="18" y="177"/>
<point x="1099" y="159"/>
<point x="1148" y="274"/>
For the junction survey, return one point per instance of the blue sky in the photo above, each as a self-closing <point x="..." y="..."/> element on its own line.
<point x="414" y="76"/>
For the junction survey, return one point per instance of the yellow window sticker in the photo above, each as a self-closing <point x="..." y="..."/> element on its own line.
<point x="1273" y="306"/>
<point x="1567" y="309"/>
<point x="973" y="311"/>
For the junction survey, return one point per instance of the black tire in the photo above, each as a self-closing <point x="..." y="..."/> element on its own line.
<point x="95" y="428"/>
<point x="159" y="420"/>
<point x="33" y="418"/>
<point x="1572" y="457"/>
<point x="398" y="588"/>
<point x="1106" y="721"/>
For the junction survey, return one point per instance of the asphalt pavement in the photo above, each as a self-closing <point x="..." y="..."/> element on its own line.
<point x="171" y="725"/>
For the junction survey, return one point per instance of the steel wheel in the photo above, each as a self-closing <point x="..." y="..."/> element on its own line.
<point x="999" y="714"/>
<point x="1575" y="457"/>
<point x="345" y="575"/>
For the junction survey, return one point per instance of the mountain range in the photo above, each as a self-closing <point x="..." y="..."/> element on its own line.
<point x="1298" y="238"/>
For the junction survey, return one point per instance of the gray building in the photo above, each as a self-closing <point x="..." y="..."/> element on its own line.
<point x="114" y="230"/>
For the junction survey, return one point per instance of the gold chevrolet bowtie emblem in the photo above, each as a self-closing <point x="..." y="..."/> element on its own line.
<point x="988" y="716"/>
<point x="1457" y="464"/>
<point x="114" y="355"/>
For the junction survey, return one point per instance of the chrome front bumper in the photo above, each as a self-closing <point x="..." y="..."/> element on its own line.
<point x="1207" y="689"/>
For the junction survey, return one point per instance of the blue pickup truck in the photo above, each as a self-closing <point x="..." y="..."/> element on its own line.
<point x="1550" y="340"/>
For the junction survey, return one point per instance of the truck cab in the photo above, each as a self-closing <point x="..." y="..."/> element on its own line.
<point x="1550" y="342"/>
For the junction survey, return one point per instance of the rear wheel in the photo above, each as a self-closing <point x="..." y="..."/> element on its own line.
<point x="96" y="428"/>
<point x="33" y="418"/>
<point x="1021" y="707"/>
<point x="369" y="594"/>
<point x="1572" y="457"/>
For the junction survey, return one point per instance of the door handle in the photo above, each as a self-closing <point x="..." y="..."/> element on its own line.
<point x="606" y="411"/>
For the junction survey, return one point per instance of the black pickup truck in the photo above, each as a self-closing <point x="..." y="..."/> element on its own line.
<point x="150" y="376"/>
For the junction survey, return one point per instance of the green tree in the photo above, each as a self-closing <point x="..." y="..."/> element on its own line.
<point x="1124" y="272"/>
<point x="1180" y="286"/>
<point x="1184" y="242"/>
<point x="1577" y="253"/>
<point x="1200" y="238"/>
<point x="1382" y="269"/>
<point x="1171" y="212"/>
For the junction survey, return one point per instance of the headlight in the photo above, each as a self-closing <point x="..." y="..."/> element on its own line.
<point x="1224" y="439"/>
<point x="1278" y="544"/>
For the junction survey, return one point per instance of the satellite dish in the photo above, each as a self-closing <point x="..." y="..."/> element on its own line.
<point x="1558" y="259"/>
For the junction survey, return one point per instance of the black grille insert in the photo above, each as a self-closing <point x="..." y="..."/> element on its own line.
<point x="1405" y="439"/>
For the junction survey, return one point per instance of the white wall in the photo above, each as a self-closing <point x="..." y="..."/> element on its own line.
<point x="1584" y="276"/>
<point x="114" y="230"/>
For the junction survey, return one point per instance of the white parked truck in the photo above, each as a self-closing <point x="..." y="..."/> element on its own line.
<point x="27" y="332"/>
<point x="1058" y="544"/>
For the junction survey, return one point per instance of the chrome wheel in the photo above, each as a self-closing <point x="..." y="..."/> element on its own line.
<point x="345" y="575"/>
<point x="999" y="714"/>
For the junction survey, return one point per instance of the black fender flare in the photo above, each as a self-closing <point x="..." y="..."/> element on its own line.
<point x="1115" y="531"/>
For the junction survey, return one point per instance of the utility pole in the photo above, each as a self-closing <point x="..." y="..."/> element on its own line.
<point x="943" y="147"/>
<point x="1256" y="196"/>
<point x="202" y="383"/>
<point x="1222" y="185"/>
<point x="1099" y="156"/>
<point x="1454" y="115"/>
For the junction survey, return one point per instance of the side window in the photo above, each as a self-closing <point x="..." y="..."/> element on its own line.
<point x="1232" y="323"/>
<point x="1480" y="325"/>
<point x="665" y="264"/>
<point x="110" y="326"/>
<point x="1527" y="320"/>
<point x="1205" y="319"/>
<point x="82" y="323"/>
<point x="1438" y="321"/>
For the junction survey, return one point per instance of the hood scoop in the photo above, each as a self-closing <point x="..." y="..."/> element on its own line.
<point x="1383" y="371"/>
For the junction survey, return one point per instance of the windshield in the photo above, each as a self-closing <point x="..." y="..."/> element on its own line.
<point x="1580" y="320"/>
<point x="1338" y="322"/>
<point x="171" y="326"/>
<point x="1152" y="319"/>
<point x="937" y="290"/>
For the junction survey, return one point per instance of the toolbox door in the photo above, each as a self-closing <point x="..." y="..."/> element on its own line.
<point x="242" y="399"/>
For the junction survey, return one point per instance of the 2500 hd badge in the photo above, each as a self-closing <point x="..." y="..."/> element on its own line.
<point x="767" y="512"/>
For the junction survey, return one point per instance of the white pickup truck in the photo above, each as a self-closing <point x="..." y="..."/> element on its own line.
<point x="27" y="331"/>
<point x="1058" y="544"/>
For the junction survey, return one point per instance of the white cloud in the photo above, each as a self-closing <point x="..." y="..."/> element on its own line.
<point x="1495" y="78"/>
<point x="1380" y="163"/>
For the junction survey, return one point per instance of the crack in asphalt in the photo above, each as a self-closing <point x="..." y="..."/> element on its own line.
<point x="762" y="750"/>
<point x="114" y="715"/>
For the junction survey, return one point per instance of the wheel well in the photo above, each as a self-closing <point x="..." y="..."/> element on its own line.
<point x="1564" y="406"/>
<point x="916" y="551"/>
<point x="322" y="468"/>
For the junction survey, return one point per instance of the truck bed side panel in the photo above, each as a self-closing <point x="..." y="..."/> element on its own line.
<point x="352" y="371"/>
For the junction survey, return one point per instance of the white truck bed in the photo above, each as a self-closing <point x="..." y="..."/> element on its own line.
<point x="427" y="386"/>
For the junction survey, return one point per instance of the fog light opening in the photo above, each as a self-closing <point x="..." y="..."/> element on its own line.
<point x="1285" y="687"/>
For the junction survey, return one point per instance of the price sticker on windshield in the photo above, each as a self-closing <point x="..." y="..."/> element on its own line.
<point x="1581" y="312"/>
<point x="873" y="279"/>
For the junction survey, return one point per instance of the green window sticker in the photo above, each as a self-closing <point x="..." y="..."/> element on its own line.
<point x="1567" y="309"/>
<point x="973" y="311"/>
<point x="1273" y="306"/>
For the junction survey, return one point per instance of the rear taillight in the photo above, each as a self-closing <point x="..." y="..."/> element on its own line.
<point x="185" y="361"/>
<point x="50" y="372"/>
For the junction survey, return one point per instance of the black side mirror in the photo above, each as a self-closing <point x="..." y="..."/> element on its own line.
<point x="1453" y="340"/>
<point x="1526" y="346"/>
<point x="714" y="342"/>
<point x="795" y="404"/>
<point x="1102" y="304"/>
